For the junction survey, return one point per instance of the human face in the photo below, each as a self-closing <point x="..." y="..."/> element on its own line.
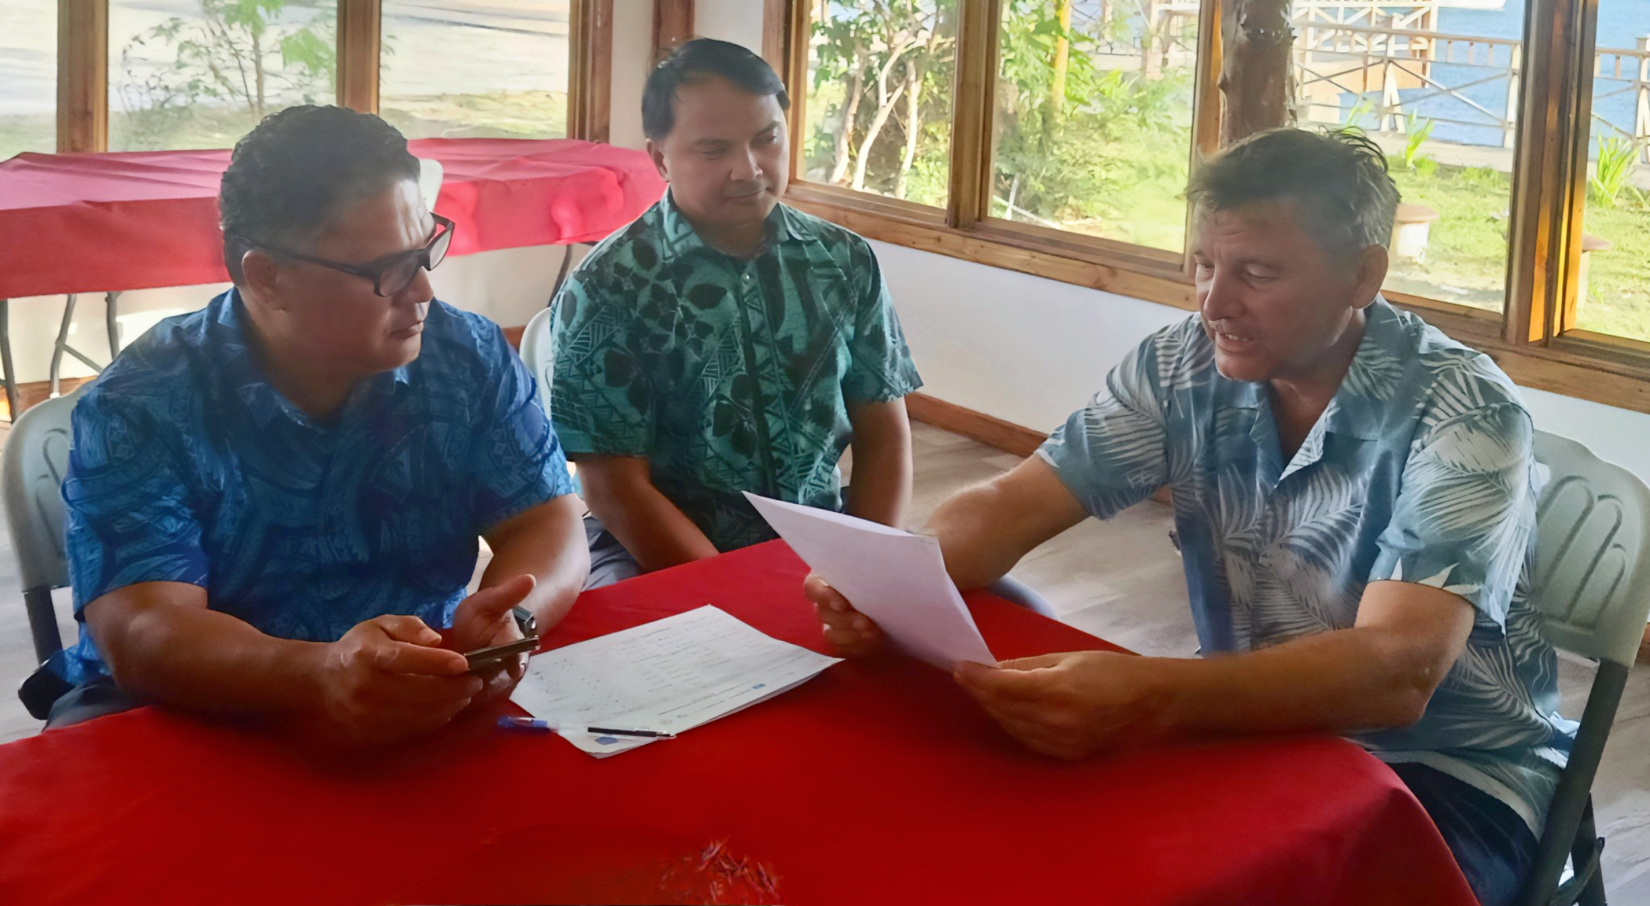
<point x="324" y="322"/>
<point x="727" y="158"/>
<point x="1277" y="305"/>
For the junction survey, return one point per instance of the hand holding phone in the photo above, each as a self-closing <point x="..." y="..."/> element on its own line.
<point x="483" y="659"/>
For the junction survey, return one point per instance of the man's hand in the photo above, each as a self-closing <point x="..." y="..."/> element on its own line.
<point x="1067" y="705"/>
<point x="387" y="679"/>
<point x="850" y="632"/>
<point x="484" y="620"/>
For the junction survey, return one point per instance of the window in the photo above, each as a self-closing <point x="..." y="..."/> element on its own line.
<point x="1093" y="125"/>
<point x="28" y="76"/>
<point x="1613" y="292"/>
<point x="1056" y="135"/>
<point x="201" y="74"/>
<point x="1438" y="88"/>
<point x="877" y="105"/>
<point x="457" y="70"/>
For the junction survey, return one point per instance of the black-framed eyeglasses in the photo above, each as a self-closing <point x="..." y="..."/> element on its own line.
<point x="391" y="273"/>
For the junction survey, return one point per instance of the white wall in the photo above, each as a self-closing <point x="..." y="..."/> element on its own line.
<point x="739" y="21"/>
<point x="632" y="57"/>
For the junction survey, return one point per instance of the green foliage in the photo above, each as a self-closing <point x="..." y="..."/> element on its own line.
<point x="1617" y="157"/>
<point x="1416" y="133"/>
<point x="1079" y="141"/>
<point x="236" y="54"/>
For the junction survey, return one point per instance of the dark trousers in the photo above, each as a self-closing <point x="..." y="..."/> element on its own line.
<point x="93" y="698"/>
<point x="1493" y="846"/>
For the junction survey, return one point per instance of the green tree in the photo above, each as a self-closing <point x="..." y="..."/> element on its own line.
<point x="228" y="56"/>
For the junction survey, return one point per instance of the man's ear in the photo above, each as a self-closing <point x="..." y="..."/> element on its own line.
<point x="658" y="155"/>
<point x="262" y="278"/>
<point x="1371" y="266"/>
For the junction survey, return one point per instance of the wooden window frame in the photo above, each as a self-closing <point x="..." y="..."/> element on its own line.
<point x="1536" y="342"/>
<point x="83" y="68"/>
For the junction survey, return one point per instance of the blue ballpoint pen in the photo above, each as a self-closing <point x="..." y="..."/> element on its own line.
<point x="550" y="726"/>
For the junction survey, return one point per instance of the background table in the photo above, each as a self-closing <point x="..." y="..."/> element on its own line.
<point x="877" y="782"/>
<point x="75" y="223"/>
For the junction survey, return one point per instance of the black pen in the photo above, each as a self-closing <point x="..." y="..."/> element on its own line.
<point x="534" y="723"/>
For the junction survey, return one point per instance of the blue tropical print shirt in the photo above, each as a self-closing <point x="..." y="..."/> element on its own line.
<point x="188" y="466"/>
<point x="728" y="375"/>
<point x="1420" y="470"/>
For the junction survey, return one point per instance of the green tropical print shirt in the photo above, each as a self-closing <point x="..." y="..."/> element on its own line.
<point x="1421" y="470"/>
<point x="728" y="375"/>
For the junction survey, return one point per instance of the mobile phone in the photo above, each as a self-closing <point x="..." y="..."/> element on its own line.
<point x="484" y="658"/>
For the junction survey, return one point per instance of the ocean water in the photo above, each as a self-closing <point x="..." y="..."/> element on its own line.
<point x="1621" y="23"/>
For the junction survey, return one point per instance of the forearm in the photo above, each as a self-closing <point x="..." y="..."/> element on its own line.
<point x="552" y="550"/>
<point x="202" y="660"/>
<point x="881" y="486"/>
<point x="974" y="554"/>
<point x="651" y="527"/>
<point x="1341" y="681"/>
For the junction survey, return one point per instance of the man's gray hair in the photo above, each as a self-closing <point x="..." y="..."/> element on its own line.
<point x="1338" y="180"/>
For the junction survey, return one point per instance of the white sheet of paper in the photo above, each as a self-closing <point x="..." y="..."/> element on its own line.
<point x="670" y="675"/>
<point x="892" y="576"/>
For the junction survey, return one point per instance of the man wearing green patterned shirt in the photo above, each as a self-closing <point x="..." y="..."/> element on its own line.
<point x="725" y="342"/>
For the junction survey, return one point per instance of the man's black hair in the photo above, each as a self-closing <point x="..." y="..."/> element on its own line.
<point x="698" y="60"/>
<point x="289" y="176"/>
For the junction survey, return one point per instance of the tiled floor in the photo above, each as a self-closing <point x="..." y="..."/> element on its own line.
<point x="1121" y="581"/>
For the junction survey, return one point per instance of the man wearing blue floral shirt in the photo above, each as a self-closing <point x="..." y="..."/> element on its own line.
<point x="1355" y="501"/>
<point x="274" y="502"/>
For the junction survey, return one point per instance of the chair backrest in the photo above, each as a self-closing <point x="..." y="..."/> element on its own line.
<point x="430" y="173"/>
<point x="32" y="468"/>
<point x="539" y="354"/>
<point x="1592" y="572"/>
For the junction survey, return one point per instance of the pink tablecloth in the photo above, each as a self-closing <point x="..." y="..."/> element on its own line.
<point x="73" y="223"/>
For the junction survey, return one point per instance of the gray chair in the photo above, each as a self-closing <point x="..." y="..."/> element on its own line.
<point x="32" y="469"/>
<point x="1592" y="585"/>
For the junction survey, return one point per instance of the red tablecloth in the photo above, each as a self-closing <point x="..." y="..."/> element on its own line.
<point x="873" y="783"/>
<point x="74" y="223"/>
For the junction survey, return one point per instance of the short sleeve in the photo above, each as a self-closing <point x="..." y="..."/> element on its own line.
<point x="600" y="398"/>
<point x="880" y="368"/>
<point x="130" y="517"/>
<point x="1464" y="520"/>
<point x="517" y="460"/>
<point x="1112" y="453"/>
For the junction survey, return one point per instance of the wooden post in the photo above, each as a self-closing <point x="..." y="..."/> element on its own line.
<point x="672" y="24"/>
<point x="1255" y="75"/>
<point x="82" y="75"/>
<point x="1509" y="127"/>
<point x="360" y="36"/>
<point x="1641" y="118"/>
<point x="590" y="87"/>
<point x="971" y="170"/>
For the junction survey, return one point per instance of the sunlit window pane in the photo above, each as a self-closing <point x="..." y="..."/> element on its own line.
<point x="877" y="114"/>
<point x="1437" y="86"/>
<point x="469" y="70"/>
<point x="1614" y="295"/>
<point x="28" y="76"/>
<point x="1094" y="117"/>
<point x="202" y="73"/>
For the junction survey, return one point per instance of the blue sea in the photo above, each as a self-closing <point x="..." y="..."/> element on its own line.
<point x="1621" y="23"/>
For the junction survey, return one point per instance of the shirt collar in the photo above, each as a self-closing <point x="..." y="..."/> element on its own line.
<point x="1381" y="342"/>
<point x="785" y="224"/>
<point x="240" y="376"/>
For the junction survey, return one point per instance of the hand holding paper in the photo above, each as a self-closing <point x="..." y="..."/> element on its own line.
<point x="892" y="576"/>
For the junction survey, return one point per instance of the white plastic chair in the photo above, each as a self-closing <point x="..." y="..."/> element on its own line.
<point x="539" y="354"/>
<point x="1590" y="583"/>
<point x="32" y="469"/>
